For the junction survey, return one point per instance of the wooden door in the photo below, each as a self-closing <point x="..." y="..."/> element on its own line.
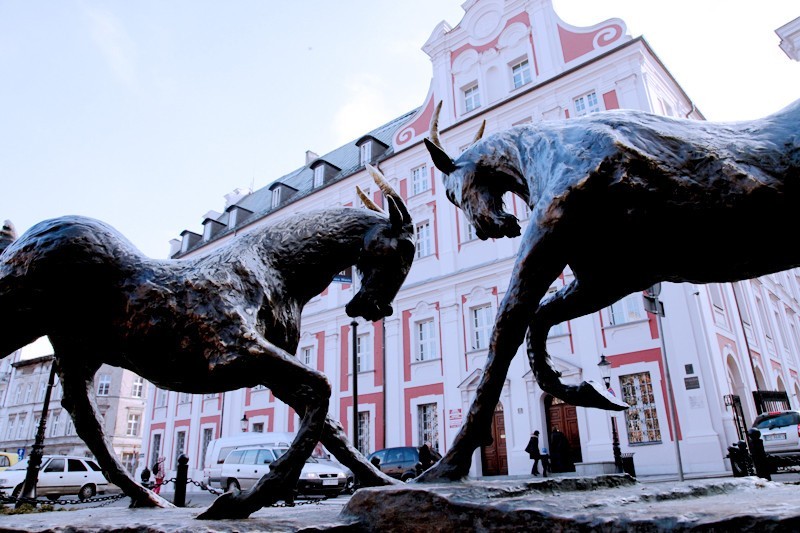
<point x="495" y="456"/>
<point x="565" y="418"/>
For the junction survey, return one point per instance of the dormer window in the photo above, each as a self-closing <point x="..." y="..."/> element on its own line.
<point x="188" y="240"/>
<point x="319" y="175"/>
<point x="366" y="153"/>
<point x="237" y="215"/>
<point x="276" y="197"/>
<point x="472" y="98"/>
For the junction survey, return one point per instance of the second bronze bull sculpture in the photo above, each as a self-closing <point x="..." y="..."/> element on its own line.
<point x="228" y="319"/>
<point x="626" y="199"/>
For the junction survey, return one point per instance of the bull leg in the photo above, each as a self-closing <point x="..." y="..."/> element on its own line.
<point x="538" y="263"/>
<point x="79" y="401"/>
<point x="335" y="440"/>
<point x="19" y="325"/>
<point x="306" y="391"/>
<point x="576" y="299"/>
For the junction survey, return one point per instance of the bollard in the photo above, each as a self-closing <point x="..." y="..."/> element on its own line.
<point x="181" y="478"/>
<point x="146" y="483"/>
<point x="760" y="460"/>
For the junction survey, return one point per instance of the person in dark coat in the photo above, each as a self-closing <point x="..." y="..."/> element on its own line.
<point x="560" y="452"/>
<point x="533" y="452"/>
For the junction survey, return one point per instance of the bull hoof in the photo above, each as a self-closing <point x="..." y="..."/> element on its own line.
<point x="230" y="505"/>
<point x="587" y="394"/>
<point x="150" y="499"/>
<point x="442" y="472"/>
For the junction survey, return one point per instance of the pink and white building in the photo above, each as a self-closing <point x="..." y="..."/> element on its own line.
<point x="507" y="62"/>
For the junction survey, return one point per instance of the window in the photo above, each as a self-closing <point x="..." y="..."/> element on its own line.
<point x="161" y="398"/>
<point x="481" y="326"/>
<point x="129" y="462"/>
<point x="307" y="356"/>
<point x="29" y="393"/>
<point x="781" y="327"/>
<point x="155" y="451"/>
<point x="258" y="427"/>
<point x="35" y="427"/>
<point x="55" y="465"/>
<point x="428" y="425"/>
<point x="426" y="340"/>
<point x="210" y="395"/>
<point x="365" y="152"/>
<point x="363" y="432"/>
<point x="180" y="444"/>
<point x="138" y="387"/>
<point x="18" y="397"/>
<point x="419" y="179"/>
<point x="470" y="234"/>
<point x="762" y="314"/>
<point x="472" y="98"/>
<point x="133" y="424"/>
<point x="55" y="428"/>
<point x="42" y="390"/>
<point x="12" y="420"/>
<point x="521" y="73"/>
<point x="276" y="197"/>
<point x="363" y="353"/>
<point x="69" y="429"/>
<point x="641" y="418"/>
<point x="76" y="465"/>
<point x="629" y="309"/>
<point x="716" y="296"/>
<point x="104" y="385"/>
<point x="319" y="175"/>
<point x="424" y="245"/>
<point x="587" y="104"/>
<point x="21" y="425"/>
<point x="184" y="397"/>
<point x="558" y="330"/>
<point x="208" y="436"/>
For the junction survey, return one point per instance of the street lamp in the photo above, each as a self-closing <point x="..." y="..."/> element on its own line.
<point x="244" y="423"/>
<point x="605" y="372"/>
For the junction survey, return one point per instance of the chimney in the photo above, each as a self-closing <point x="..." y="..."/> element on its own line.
<point x="8" y="234"/>
<point x="234" y="196"/>
<point x="311" y="156"/>
<point x="174" y="247"/>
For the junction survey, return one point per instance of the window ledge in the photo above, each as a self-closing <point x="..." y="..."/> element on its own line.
<point x="434" y="360"/>
<point x="631" y="323"/>
<point x="651" y="443"/>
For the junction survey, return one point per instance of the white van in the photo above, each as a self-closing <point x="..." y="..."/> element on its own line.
<point x="218" y="450"/>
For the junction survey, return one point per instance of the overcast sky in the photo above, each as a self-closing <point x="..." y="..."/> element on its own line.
<point x="144" y="114"/>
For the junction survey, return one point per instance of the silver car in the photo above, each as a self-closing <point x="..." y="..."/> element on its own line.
<point x="780" y="431"/>
<point x="59" y="475"/>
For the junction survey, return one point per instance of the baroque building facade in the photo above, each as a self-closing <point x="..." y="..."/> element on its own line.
<point x="732" y="349"/>
<point x="120" y="396"/>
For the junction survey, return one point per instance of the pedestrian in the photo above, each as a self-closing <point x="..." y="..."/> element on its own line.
<point x="533" y="452"/>
<point x="427" y="457"/>
<point x="560" y="452"/>
<point x="158" y="472"/>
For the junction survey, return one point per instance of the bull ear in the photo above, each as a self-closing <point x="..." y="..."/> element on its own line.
<point x="440" y="158"/>
<point x="396" y="217"/>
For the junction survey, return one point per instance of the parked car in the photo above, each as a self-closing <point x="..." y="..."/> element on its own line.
<point x="59" y="475"/>
<point x="8" y="459"/>
<point x="400" y="462"/>
<point x="780" y="431"/>
<point x="244" y="466"/>
<point x="218" y="450"/>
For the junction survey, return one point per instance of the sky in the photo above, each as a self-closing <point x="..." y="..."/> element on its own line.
<point x="145" y="114"/>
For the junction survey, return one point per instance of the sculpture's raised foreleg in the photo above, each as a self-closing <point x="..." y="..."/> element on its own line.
<point x="574" y="300"/>
<point x="539" y="262"/>
<point x="306" y="391"/>
<point x="79" y="401"/>
<point x="335" y="440"/>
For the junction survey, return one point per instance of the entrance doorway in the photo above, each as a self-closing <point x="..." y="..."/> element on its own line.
<point x="494" y="457"/>
<point x="565" y="418"/>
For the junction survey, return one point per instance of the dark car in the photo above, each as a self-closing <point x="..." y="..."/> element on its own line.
<point x="400" y="463"/>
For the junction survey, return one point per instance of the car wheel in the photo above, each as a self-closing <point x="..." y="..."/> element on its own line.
<point x="233" y="485"/>
<point x="86" y="492"/>
<point x="406" y="478"/>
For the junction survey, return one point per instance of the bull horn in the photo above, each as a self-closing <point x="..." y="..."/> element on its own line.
<point x="480" y="132"/>
<point x="367" y="202"/>
<point x="441" y="160"/>
<point x="389" y="192"/>
<point x="434" y="130"/>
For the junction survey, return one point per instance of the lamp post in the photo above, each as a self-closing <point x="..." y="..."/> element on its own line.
<point x="354" y="325"/>
<point x="605" y="372"/>
<point x="244" y="422"/>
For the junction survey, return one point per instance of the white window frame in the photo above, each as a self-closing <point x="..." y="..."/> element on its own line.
<point x="161" y="397"/>
<point x="626" y="311"/>
<point x="587" y="103"/>
<point x="180" y="444"/>
<point x="12" y="422"/>
<point x="364" y="352"/>
<point x="137" y="388"/>
<point x="184" y="397"/>
<point x="472" y="97"/>
<point x="481" y="324"/>
<point x="365" y="152"/>
<point x="21" y="425"/>
<point x="428" y="424"/>
<point x="276" y="197"/>
<point x="424" y="242"/>
<point x="364" y="432"/>
<point x="319" y="175"/>
<point x="307" y="356"/>
<point x="641" y="418"/>
<point x="420" y="180"/>
<point x="521" y="73"/>
<point x="55" y="427"/>
<point x="104" y="385"/>
<point x="427" y="345"/>
<point x="134" y="425"/>
<point x="28" y="393"/>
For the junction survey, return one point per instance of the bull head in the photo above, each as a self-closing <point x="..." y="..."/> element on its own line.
<point x="475" y="184"/>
